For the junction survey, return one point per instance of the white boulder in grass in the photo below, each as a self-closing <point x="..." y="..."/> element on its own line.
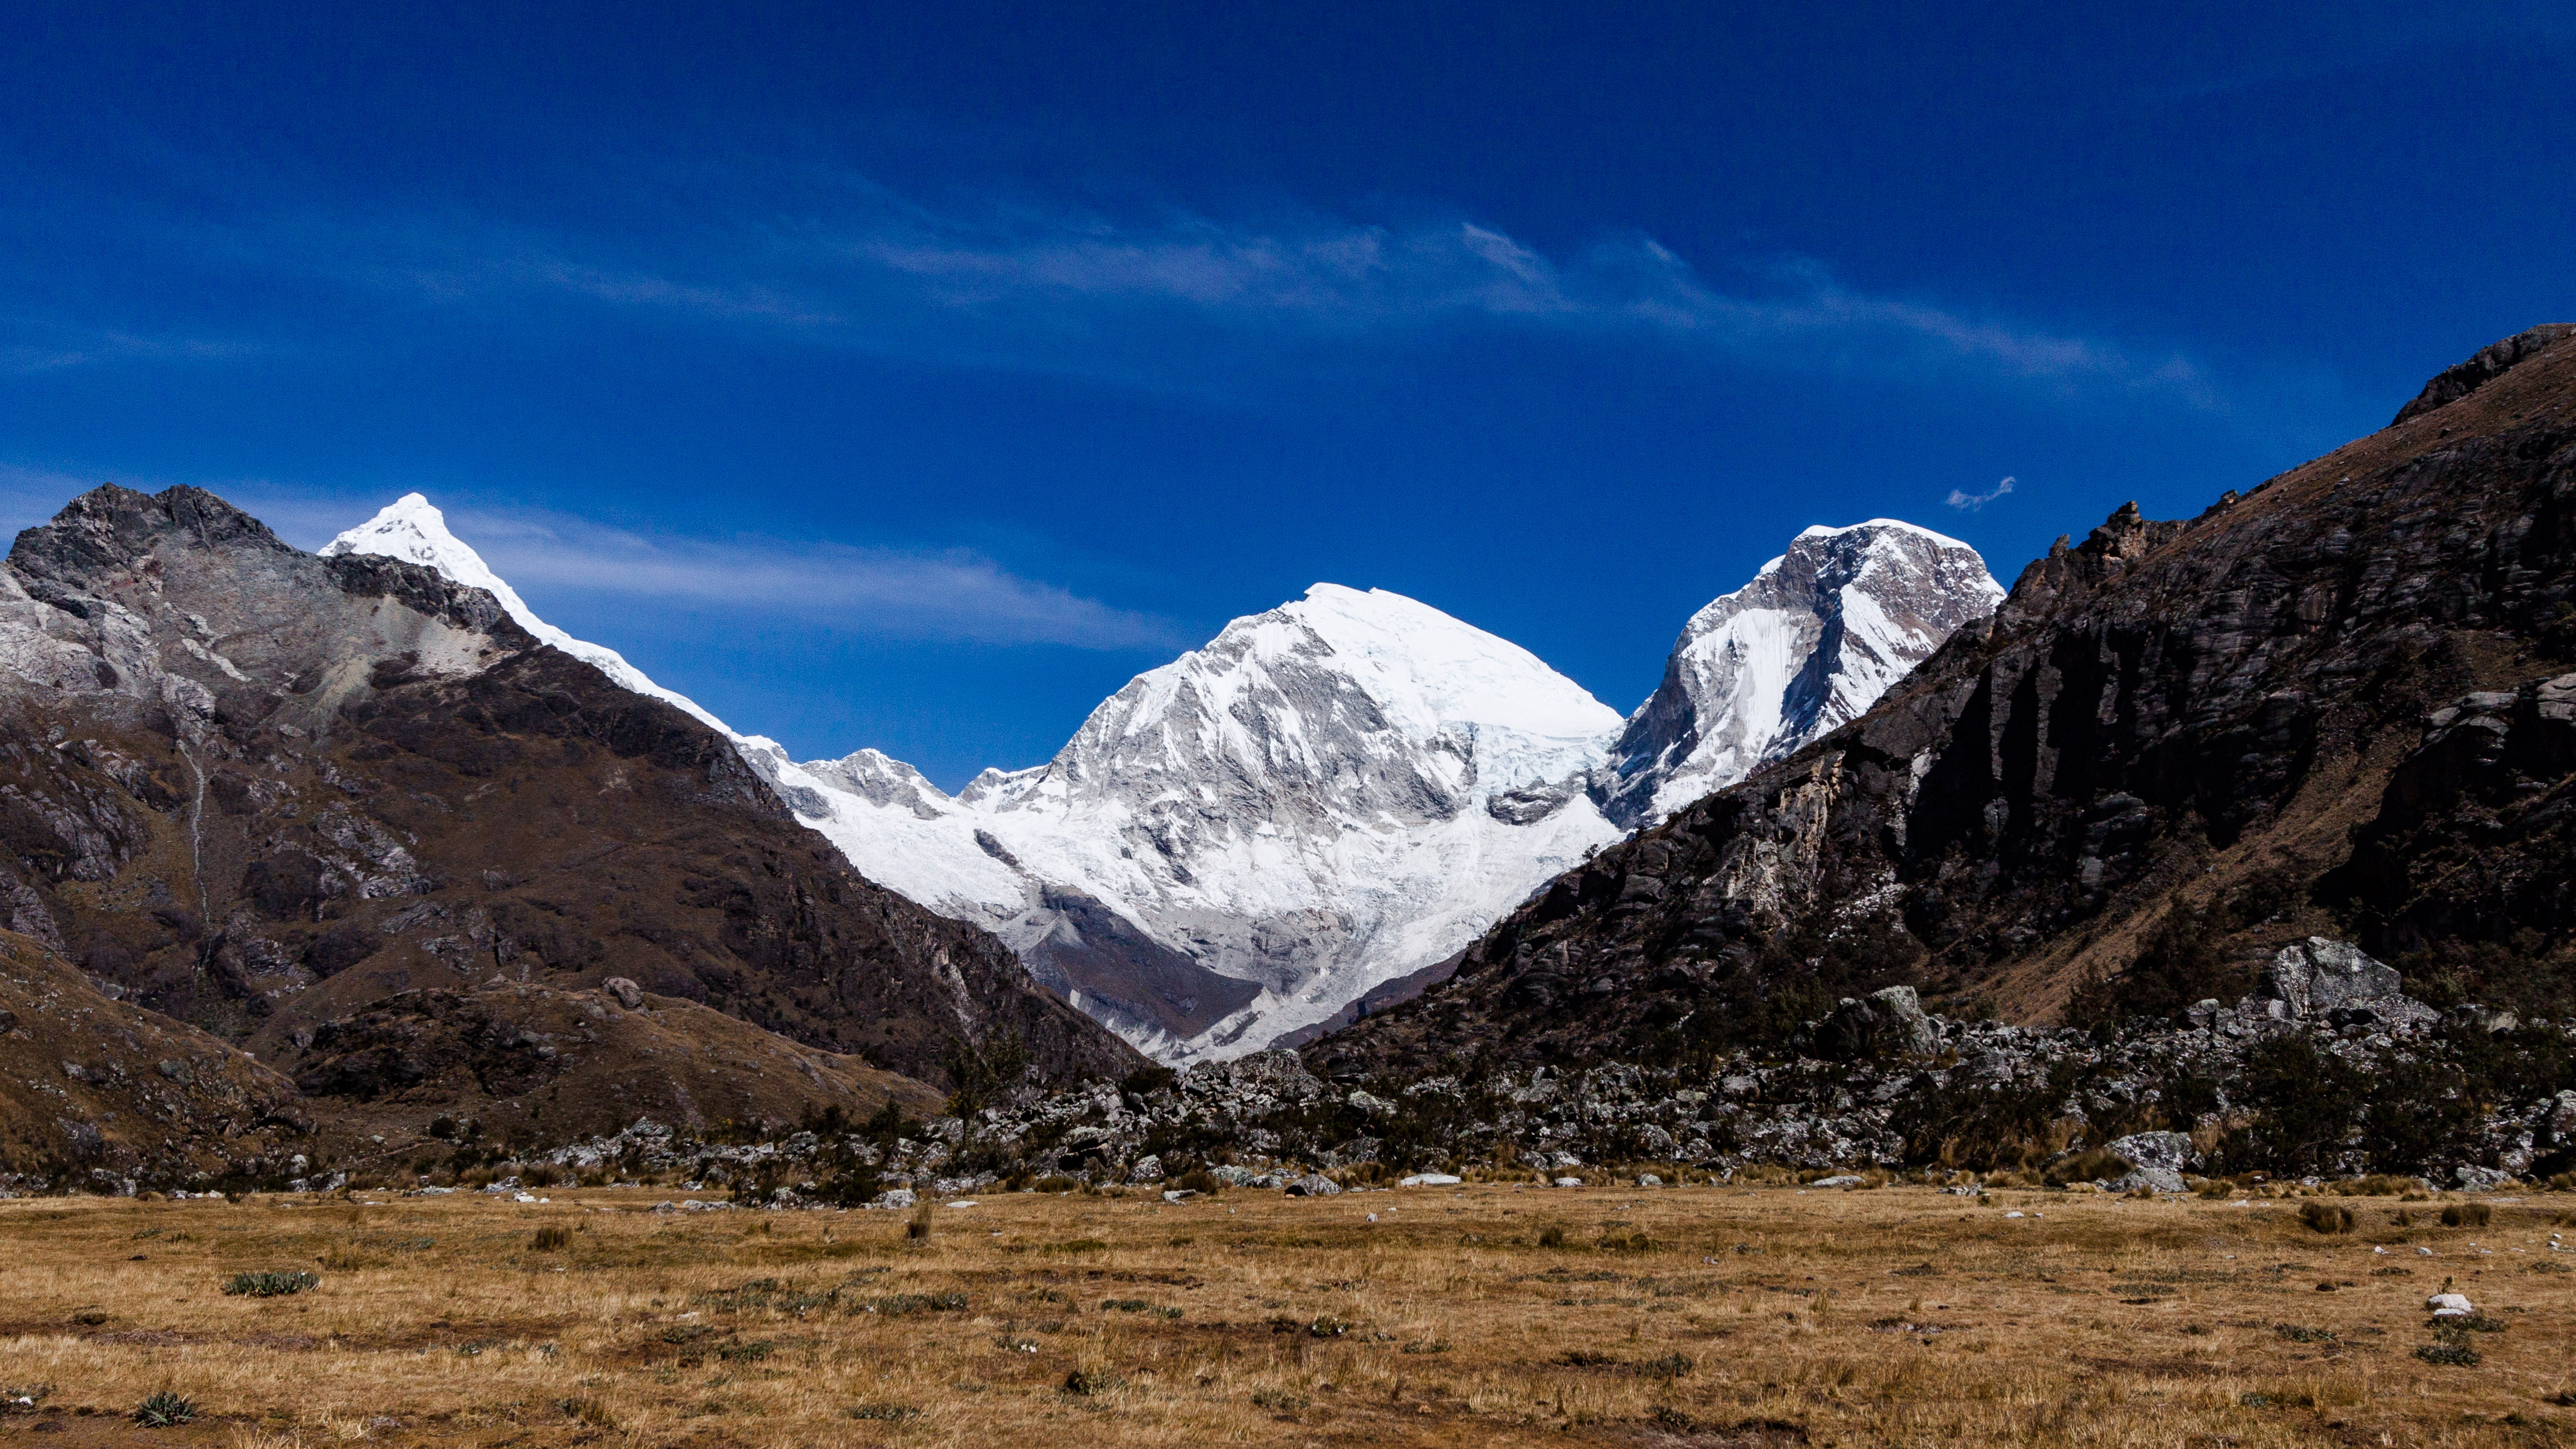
<point x="1431" y="1179"/>
<point x="2450" y="1305"/>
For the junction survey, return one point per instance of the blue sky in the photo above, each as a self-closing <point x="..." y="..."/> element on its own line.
<point x="911" y="376"/>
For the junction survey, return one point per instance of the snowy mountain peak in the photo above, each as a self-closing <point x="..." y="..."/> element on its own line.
<point x="412" y="529"/>
<point x="1817" y="636"/>
<point x="1326" y="796"/>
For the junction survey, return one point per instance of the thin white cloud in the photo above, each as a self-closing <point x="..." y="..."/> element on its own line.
<point x="29" y="348"/>
<point x="1971" y="502"/>
<point x="947" y="594"/>
<point x="1021" y="286"/>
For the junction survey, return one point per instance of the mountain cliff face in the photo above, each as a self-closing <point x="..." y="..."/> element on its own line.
<point x="259" y="790"/>
<point x="2338" y="705"/>
<point x="1820" y="633"/>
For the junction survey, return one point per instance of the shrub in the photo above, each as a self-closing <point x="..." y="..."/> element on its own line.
<point x="269" y="1285"/>
<point x="1087" y="1382"/>
<point x="885" y="1411"/>
<point x="1278" y="1401"/>
<point x="752" y="1352"/>
<point x="2326" y="1217"/>
<point x="918" y="1230"/>
<point x="1198" y="1180"/>
<point x="589" y="1411"/>
<point x="2454" y="1355"/>
<point x="2091" y="1165"/>
<point x="2467" y="1215"/>
<point x="1055" y="1182"/>
<point x="1551" y="1237"/>
<point x="551" y="1240"/>
<point x="165" y="1410"/>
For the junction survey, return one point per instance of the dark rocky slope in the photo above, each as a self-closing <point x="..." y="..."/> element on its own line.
<point x="2336" y="705"/>
<point x="264" y="791"/>
<point x="102" y="1096"/>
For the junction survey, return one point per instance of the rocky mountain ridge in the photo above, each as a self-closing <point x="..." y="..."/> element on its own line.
<point x="260" y="791"/>
<point x="2331" y="706"/>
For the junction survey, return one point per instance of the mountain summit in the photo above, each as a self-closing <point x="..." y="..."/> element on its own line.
<point x="1817" y="636"/>
<point x="1326" y="796"/>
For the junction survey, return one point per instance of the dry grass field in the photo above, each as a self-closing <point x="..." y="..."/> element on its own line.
<point x="1491" y="1314"/>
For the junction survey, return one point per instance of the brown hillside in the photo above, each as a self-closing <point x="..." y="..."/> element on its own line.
<point x="264" y="791"/>
<point x="2322" y="706"/>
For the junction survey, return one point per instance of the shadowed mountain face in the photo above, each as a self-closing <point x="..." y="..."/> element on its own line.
<point x="259" y="790"/>
<point x="2342" y="702"/>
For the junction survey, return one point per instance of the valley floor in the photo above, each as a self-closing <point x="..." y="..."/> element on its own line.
<point x="1681" y="1316"/>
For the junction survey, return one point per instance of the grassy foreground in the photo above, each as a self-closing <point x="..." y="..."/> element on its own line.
<point x="1485" y="1315"/>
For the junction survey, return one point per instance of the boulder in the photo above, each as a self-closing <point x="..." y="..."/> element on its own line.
<point x="894" y="1199"/>
<point x="2316" y="976"/>
<point x="628" y="994"/>
<point x="1884" y="1023"/>
<point x="1314" y="1184"/>
<point x="2152" y="1179"/>
<point x="2169" y="1151"/>
<point x="1430" y="1179"/>
<point x="2450" y="1305"/>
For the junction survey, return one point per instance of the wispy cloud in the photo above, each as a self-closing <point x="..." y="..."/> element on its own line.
<point x="950" y="594"/>
<point x="1027" y="286"/>
<point x="30" y="346"/>
<point x="1971" y="502"/>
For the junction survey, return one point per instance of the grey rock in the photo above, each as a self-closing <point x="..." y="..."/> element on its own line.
<point x="2168" y="1151"/>
<point x="628" y="994"/>
<point x="1314" y="1184"/>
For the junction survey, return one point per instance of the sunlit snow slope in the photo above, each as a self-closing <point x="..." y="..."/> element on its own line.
<point x="1812" y="642"/>
<point x="1335" y="793"/>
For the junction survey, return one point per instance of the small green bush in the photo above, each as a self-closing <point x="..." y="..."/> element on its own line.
<point x="2451" y="1355"/>
<point x="1087" y="1382"/>
<point x="269" y="1285"/>
<point x="165" y="1410"/>
<point x="752" y="1352"/>
<point x="885" y="1411"/>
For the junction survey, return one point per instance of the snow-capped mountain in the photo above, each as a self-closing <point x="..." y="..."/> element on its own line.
<point x="1817" y="636"/>
<point x="411" y="529"/>
<point x="1337" y="794"/>
<point x="1327" y="796"/>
